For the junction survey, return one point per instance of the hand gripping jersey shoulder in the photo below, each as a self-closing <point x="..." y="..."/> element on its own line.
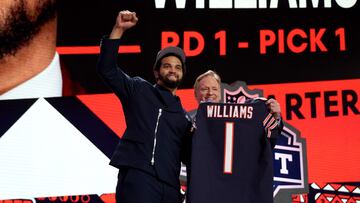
<point x="270" y="123"/>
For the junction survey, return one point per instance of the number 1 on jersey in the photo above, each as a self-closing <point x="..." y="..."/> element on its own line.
<point x="228" y="147"/>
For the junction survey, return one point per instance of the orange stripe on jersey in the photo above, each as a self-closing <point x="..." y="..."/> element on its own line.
<point x="270" y="129"/>
<point x="270" y="122"/>
<point x="267" y="118"/>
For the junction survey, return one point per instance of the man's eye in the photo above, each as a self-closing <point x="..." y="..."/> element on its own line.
<point x="166" y="65"/>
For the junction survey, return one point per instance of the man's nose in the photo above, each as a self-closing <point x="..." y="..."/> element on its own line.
<point x="172" y="69"/>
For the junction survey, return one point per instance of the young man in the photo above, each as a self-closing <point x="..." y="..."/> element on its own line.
<point x="149" y="153"/>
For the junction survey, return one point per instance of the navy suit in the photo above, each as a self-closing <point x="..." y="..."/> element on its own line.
<point x="157" y="125"/>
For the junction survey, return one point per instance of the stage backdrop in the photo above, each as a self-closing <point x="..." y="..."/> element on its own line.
<point x="305" y="53"/>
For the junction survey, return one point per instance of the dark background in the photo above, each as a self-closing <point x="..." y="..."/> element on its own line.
<point x="83" y="23"/>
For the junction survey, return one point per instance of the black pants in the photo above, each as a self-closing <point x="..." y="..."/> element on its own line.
<point x="137" y="186"/>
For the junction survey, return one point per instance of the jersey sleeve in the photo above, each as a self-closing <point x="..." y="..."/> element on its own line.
<point x="272" y="126"/>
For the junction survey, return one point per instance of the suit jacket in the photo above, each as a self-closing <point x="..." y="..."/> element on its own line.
<point x="156" y="123"/>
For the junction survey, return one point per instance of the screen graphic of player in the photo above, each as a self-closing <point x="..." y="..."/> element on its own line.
<point x="29" y="64"/>
<point x="149" y="153"/>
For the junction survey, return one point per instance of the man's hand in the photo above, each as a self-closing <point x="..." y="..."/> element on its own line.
<point x="274" y="107"/>
<point x="125" y="20"/>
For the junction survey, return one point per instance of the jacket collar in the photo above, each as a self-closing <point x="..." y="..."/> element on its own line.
<point x="170" y="101"/>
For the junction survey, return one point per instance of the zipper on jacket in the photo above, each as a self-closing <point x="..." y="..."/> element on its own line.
<point x="154" y="146"/>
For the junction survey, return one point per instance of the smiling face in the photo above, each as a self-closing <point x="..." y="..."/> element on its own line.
<point x="20" y="21"/>
<point x="170" y="73"/>
<point x="207" y="89"/>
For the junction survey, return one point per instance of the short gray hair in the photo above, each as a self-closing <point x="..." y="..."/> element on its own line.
<point x="207" y="73"/>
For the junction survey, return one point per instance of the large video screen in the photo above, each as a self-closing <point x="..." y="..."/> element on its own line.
<point x="59" y="122"/>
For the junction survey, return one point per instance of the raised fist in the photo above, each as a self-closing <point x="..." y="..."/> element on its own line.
<point x="126" y="19"/>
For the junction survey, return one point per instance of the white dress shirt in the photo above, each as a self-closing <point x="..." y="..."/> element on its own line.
<point x="47" y="83"/>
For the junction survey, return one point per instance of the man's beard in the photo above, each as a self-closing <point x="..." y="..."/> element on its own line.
<point x="169" y="83"/>
<point x="19" y="28"/>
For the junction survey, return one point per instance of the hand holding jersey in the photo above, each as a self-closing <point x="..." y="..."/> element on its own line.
<point x="232" y="146"/>
<point x="274" y="108"/>
<point x="231" y="157"/>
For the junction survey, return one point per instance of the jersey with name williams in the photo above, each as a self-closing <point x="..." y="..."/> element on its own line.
<point x="232" y="159"/>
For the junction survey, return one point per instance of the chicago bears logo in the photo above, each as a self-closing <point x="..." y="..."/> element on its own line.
<point x="290" y="166"/>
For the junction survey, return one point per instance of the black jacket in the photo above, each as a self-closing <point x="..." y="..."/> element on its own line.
<point x="156" y="122"/>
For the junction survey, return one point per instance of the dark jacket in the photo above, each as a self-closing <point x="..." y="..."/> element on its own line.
<point x="156" y="122"/>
